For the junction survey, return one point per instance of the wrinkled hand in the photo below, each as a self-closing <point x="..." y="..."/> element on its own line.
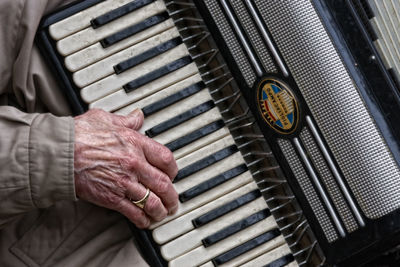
<point x="114" y="163"/>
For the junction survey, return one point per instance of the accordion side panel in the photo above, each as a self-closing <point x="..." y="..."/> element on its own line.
<point x="336" y="105"/>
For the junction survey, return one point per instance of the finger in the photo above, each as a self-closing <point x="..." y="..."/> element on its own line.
<point x="160" y="184"/>
<point x="133" y="120"/>
<point x="153" y="207"/>
<point x="134" y="214"/>
<point x="159" y="156"/>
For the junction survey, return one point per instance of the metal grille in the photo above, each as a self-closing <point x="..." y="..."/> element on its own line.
<point x="231" y="41"/>
<point x="254" y="36"/>
<point x="308" y="189"/>
<point x="328" y="180"/>
<point x="336" y="104"/>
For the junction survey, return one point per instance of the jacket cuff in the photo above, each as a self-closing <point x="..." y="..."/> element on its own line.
<point x="51" y="160"/>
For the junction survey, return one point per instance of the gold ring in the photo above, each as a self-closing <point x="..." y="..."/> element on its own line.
<point x="140" y="203"/>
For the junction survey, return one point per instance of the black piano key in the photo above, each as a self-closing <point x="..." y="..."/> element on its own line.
<point x="281" y="261"/>
<point x="168" y="68"/>
<point x="236" y="227"/>
<point x="249" y="245"/>
<point x="211" y="183"/>
<point x="224" y="209"/>
<point x="181" y="118"/>
<point x="131" y="30"/>
<point x="118" y="12"/>
<point x="205" y="162"/>
<point x="193" y="136"/>
<point x="172" y="99"/>
<point x="146" y="55"/>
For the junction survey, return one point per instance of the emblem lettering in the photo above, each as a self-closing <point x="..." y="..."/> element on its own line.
<point x="278" y="105"/>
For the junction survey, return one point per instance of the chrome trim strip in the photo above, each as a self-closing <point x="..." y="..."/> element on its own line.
<point x="242" y="38"/>
<point x="335" y="172"/>
<point x="319" y="187"/>
<point x="266" y="37"/>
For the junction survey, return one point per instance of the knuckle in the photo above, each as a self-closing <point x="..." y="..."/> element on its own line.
<point x="97" y="111"/>
<point x="132" y="137"/>
<point x="118" y="120"/>
<point x="93" y="111"/>
<point x="166" y="155"/>
<point x="163" y="184"/>
<point x="133" y="162"/>
<point x="114" y="201"/>
<point x="153" y="203"/>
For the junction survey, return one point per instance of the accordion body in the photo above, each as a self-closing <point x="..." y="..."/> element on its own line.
<point x="284" y="118"/>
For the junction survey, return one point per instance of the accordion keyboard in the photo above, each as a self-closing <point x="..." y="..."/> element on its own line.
<point x="125" y="55"/>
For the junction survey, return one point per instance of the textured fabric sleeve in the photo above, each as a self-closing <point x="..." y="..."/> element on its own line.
<point x="36" y="161"/>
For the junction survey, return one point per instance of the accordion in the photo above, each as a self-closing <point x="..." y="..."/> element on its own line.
<point x="283" y="116"/>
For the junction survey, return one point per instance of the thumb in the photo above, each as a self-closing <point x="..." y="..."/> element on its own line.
<point x="133" y="120"/>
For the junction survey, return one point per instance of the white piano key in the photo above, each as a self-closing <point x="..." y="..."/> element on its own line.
<point x="209" y="172"/>
<point x="96" y="52"/>
<point x="201" y="255"/>
<point x="176" y="109"/>
<point x="162" y="94"/>
<point x="184" y="224"/>
<point x="205" y="152"/>
<point x="105" y="68"/>
<point x="263" y="249"/>
<point x="217" y="168"/>
<point x="88" y="36"/>
<point x="208" y="139"/>
<point x="126" y="102"/>
<point x="269" y="257"/>
<point x="188" y="126"/>
<point x="115" y="82"/>
<point x="81" y="20"/>
<point x="221" y="190"/>
<point x="192" y="239"/>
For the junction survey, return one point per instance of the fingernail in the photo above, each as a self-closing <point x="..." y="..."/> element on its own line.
<point x="135" y="111"/>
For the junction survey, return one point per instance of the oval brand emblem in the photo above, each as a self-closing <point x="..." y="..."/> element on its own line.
<point x="278" y="106"/>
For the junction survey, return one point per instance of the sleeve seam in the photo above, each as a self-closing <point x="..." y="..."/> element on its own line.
<point x="30" y="148"/>
<point x="71" y="151"/>
<point x="17" y="26"/>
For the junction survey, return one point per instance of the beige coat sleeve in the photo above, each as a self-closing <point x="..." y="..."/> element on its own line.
<point x="36" y="150"/>
<point x="36" y="161"/>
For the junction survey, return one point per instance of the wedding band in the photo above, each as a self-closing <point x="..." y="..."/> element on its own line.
<point x="140" y="203"/>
